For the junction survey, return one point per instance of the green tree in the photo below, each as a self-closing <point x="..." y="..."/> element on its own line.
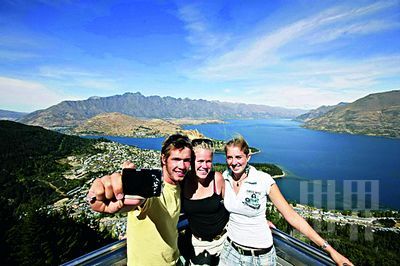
<point x="41" y="237"/>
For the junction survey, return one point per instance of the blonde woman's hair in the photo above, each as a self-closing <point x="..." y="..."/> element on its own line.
<point x="240" y="142"/>
<point x="206" y="144"/>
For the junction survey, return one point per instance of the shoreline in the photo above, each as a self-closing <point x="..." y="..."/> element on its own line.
<point x="279" y="176"/>
<point x="333" y="216"/>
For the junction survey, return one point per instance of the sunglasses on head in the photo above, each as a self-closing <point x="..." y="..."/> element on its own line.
<point x="197" y="142"/>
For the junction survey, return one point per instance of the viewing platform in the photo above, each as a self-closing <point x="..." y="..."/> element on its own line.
<point x="290" y="251"/>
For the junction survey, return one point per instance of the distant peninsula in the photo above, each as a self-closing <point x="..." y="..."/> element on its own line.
<point x="377" y="114"/>
<point x="117" y="124"/>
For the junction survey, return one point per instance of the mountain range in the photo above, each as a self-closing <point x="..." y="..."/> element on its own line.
<point x="11" y="115"/>
<point x="376" y="114"/>
<point x="73" y="113"/>
<point x="320" y="111"/>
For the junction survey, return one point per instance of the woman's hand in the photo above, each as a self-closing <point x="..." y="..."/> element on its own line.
<point x="270" y="224"/>
<point x="339" y="258"/>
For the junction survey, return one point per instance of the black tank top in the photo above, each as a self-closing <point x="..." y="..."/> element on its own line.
<point x="207" y="217"/>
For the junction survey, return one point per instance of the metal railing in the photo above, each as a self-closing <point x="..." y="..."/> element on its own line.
<point x="290" y="251"/>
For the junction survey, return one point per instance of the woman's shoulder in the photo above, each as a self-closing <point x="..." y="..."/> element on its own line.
<point x="219" y="182"/>
<point x="218" y="176"/>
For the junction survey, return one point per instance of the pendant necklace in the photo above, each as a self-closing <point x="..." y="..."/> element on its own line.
<point x="239" y="181"/>
<point x="246" y="172"/>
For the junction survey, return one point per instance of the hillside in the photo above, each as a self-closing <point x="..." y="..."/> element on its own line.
<point x="377" y="114"/>
<point x="72" y="113"/>
<point x="116" y="124"/>
<point x="30" y="179"/>
<point x="28" y="161"/>
<point x="320" y="111"/>
<point x="11" y="115"/>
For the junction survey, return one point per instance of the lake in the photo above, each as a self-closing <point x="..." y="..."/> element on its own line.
<point x="322" y="169"/>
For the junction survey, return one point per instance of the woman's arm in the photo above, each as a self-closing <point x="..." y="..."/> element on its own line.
<point x="300" y="224"/>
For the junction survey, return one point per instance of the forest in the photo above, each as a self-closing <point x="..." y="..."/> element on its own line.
<point x="30" y="233"/>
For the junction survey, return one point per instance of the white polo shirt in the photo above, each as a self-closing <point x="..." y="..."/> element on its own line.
<point x="247" y="224"/>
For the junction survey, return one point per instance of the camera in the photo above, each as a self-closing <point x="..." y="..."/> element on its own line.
<point x="141" y="183"/>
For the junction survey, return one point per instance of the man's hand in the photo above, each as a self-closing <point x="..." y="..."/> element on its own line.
<point x="106" y="195"/>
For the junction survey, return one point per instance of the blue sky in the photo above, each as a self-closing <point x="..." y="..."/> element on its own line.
<point x="297" y="54"/>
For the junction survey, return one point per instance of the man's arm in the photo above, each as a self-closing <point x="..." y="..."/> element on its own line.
<point x="106" y="195"/>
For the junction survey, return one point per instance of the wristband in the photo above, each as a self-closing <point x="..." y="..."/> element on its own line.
<point x="325" y="245"/>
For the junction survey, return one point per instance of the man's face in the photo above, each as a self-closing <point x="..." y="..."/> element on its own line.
<point x="176" y="165"/>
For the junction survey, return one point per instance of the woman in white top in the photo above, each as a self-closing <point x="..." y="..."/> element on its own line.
<point x="246" y="190"/>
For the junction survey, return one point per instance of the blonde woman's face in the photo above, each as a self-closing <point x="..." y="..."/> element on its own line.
<point x="203" y="162"/>
<point x="236" y="159"/>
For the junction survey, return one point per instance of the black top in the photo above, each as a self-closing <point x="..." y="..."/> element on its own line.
<point x="207" y="217"/>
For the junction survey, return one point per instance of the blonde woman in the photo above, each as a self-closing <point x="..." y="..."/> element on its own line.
<point x="202" y="202"/>
<point x="249" y="240"/>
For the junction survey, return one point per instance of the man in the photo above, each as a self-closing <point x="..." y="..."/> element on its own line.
<point x="152" y="233"/>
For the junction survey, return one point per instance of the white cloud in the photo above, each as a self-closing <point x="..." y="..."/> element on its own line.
<point x="199" y="30"/>
<point x="340" y="75"/>
<point x="275" y="68"/>
<point x="9" y="55"/>
<point x="26" y="96"/>
<point x="304" y="97"/>
<point x="361" y="28"/>
<point x="63" y="72"/>
<point x="99" y="84"/>
<point x="312" y="84"/>
<point x="264" y="51"/>
<point x="78" y="78"/>
<point x="292" y="96"/>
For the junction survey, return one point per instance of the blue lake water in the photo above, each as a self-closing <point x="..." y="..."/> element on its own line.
<point x="323" y="169"/>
